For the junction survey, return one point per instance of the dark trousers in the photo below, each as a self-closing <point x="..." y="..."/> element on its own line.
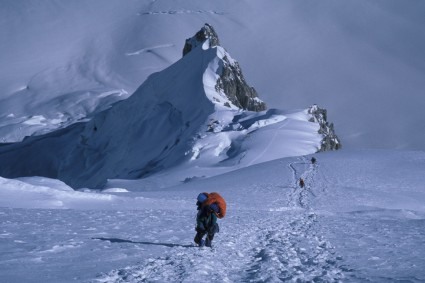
<point x="200" y="234"/>
<point x="210" y="235"/>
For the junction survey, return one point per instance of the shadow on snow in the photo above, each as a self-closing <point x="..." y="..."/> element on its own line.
<point x="117" y="240"/>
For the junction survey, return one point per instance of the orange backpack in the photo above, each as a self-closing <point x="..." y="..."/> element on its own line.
<point x="219" y="200"/>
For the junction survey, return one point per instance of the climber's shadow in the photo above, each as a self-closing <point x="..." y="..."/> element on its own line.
<point x="117" y="240"/>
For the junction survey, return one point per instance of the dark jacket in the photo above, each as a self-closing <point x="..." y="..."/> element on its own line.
<point x="206" y="220"/>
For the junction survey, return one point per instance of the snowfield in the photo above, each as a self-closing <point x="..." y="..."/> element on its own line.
<point x="360" y="217"/>
<point x="351" y="58"/>
<point x="96" y="94"/>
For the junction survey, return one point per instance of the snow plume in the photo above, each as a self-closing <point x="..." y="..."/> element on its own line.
<point x="197" y="113"/>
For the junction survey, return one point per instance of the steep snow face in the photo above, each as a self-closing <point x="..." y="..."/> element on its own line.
<point x="183" y="115"/>
<point x="154" y="128"/>
<point x="149" y="131"/>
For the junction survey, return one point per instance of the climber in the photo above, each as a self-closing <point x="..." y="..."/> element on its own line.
<point x="210" y="207"/>
<point x="301" y="183"/>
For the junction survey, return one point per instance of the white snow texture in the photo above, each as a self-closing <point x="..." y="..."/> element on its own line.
<point x="96" y="94"/>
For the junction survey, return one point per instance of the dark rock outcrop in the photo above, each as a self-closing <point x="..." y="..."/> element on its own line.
<point x="330" y="140"/>
<point x="231" y="81"/>
<point x="206" y="32"/>
<point x="233" y="84"/>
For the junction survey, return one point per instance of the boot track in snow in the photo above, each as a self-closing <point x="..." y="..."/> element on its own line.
<point x="261" y="246"/>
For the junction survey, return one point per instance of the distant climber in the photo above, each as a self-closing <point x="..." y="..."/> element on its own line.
<point x="301" y="183"/>
<point x="210" y="207"/>
<point x="313" y="160"/>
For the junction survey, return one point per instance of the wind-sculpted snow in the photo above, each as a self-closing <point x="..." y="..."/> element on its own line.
<point x="187" y="114"/>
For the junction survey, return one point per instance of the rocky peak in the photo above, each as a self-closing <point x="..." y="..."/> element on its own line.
<point x="233" y="84"/>
<point x="206" y="32"/>
<point x="330" y="140"/>
<point x="231" y="81"/>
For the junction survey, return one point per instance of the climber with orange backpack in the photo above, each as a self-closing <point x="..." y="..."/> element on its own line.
<point x="210" y="207"/>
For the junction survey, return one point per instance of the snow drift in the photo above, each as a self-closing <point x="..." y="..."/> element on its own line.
<point x="199" y="106"/>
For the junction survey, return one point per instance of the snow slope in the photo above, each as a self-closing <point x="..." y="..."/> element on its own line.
<point x="177" y="117"/>
<point x="355" y="59"/>
<point x="360" y="217"/>
<point x="234" y="140"/>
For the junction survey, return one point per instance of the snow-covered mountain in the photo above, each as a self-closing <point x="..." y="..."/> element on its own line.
<point x="197" y="111"/>
<point x="62" y="61"/>
<point x="73" y="107"/>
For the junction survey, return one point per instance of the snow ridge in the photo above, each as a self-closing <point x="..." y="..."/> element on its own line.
<point x="198" y="113"/>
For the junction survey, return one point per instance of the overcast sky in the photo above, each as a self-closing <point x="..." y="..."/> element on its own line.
<point x="362" y="60"/>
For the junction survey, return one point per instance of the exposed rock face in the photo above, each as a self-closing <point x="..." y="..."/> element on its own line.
<point x="206" y="32"/>
<point x="161" y="122"/>
<point x="330" y="140"/>
<point x="231" y="81"/>
<point x="233" y="84"/>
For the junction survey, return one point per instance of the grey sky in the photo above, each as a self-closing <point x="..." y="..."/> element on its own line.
<point x="363" y="60"/>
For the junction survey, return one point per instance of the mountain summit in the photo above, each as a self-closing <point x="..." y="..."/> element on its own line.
<point x="230" y="81"/>
<point x="207" y="32"/>
<point x="197" y="114"/>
